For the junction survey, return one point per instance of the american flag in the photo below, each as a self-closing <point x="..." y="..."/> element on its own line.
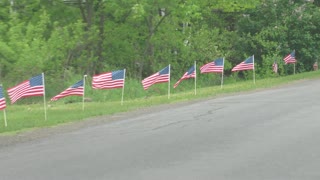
<point x="248" y="64"/>
<point x="191" y="73"/>
<point x="315" y="66"/>
<point x="159" y="77"/>
<point x="31" y="87"/>
<point x="2" y="99"/>
<point x="275" y="67"/>
<point x="290" y="58"/>
<point x="76" y="90"/>
<point x="109" y="80"/>
<point x="214" y="66"/>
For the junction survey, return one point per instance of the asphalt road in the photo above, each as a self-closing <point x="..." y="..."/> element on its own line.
<point x="269" y="134"/>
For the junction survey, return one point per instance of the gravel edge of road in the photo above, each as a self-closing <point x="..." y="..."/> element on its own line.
<point x="28" y="135"/>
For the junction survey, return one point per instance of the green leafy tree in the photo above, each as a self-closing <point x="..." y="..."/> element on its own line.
<point x="275" y="28"/>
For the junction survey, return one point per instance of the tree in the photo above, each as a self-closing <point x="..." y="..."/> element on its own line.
<point x="276" y="28"/>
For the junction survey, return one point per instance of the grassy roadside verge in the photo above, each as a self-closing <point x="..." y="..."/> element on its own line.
<point x="25" y="117"/>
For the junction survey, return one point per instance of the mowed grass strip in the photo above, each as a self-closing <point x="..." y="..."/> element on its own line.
<point x="27" y="117"/>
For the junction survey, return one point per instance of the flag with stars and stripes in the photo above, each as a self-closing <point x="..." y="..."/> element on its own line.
<point x="75" y="90"/>
<point x="109" y="80"/>
<point x="2" y="99"/>
<point x="31" y="87"/>
<point x="215" y="66"/>
<point x="290" y="58"/>
<point x="248" y="64"/>
<point x="191" y="73"/>
<point x="159" y="77"/>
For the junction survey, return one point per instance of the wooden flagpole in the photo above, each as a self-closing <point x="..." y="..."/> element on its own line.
<point x="44" y="98"/>
<point x="195" y="78"/>
<point x="124" y="78"/>
<point x="294" y="64"/>
<point x="254" y="76"/>
<point x="169" y="84"/>
<point x="84" y="88"/>
<point x="5" y="118"/>
<point x="222" y="73"/>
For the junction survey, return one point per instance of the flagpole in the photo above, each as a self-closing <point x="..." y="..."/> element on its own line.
<point x="44" y="98"/>
<point x="254" y="76"/>
<point x="222" y="74"/>
<point x="84" y="88"/>
<point x="195" y="78"/>
<point x="124" y="78"/>
<point x="294" y="64"/>
<point x="4" y="110"/>
<point x="169" y="84"/>
<point x="5" y="118"/>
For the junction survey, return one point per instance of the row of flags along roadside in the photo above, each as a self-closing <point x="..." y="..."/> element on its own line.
<point x="35" y="86"/>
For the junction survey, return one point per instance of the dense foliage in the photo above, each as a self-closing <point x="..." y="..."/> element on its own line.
<point x="69" y="38"/>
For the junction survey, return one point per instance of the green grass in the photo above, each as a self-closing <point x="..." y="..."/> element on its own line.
<point x="107" y="102"/>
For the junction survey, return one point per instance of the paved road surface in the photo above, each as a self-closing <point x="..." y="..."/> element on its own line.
<point x="270" y="134"/>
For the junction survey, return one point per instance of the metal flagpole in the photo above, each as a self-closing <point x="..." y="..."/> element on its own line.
<point x="169" y="84"/>
<point x="124" y="78"/>
<point x="5" y="118"/>
<point x="84" y="88"/>
<point x="254" y="76"/>
<point x="44" y="98"/>
<point x="195" y="78"/>
<point x="222" y="73"/>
